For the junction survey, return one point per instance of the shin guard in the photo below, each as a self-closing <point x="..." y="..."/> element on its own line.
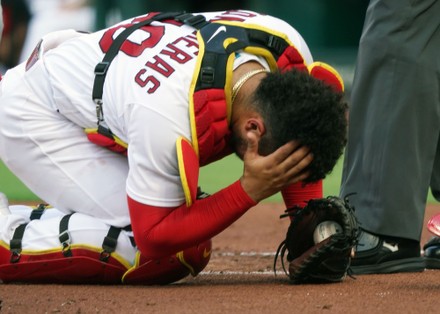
<point x="83" y="267"/>
<point x="46" y="246"/>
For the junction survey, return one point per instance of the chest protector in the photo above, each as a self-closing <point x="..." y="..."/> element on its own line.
<point x="210" y="93"/>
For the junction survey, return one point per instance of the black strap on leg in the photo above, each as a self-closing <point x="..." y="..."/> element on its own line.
<point x="110" y="243"/>
<point x="38" y="212"/>
<point x="129" y="229"/>
<point x="64" y="235"/>
<point x="15" y="243"/>
<point x="132" y="241"/>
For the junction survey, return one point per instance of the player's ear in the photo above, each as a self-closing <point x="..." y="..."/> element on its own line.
<point x="255" y="125"/>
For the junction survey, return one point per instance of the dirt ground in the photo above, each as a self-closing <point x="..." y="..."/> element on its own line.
<point x="239" y="279"/>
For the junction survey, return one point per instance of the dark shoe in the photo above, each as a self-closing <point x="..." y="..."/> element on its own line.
<point x="432" y="253"/>
<point x="388" y="256"/>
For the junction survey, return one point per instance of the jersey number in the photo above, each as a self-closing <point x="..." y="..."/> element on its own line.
<point x="150" y="39"/>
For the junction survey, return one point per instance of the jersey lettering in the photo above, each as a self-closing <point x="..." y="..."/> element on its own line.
<point x="190" y="42"/>
<point x="233" y="15"/>
<point x="151" y="35"/>
<point x="176" y="54"/>
<point x="182" y="50"/>
<point x="150" y="80"/>
<point x="160" y="66"/>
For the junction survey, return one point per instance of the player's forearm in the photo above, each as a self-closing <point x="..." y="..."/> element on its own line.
<point x="162" y="231"/>
<point x="298" y="194"/>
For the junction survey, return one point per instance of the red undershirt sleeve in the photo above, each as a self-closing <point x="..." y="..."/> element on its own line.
<point x="298" y="195"/>
<point x="160" y="231"/>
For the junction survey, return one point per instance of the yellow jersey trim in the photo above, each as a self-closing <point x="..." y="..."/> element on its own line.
<point x="182" y="172"/>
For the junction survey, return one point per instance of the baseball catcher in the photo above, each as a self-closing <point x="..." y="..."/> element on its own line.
<point x="170" y="92"/>
<point x="319" y="241"/>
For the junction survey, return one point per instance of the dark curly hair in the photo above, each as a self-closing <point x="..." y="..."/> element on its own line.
<point x="297" y="106"/>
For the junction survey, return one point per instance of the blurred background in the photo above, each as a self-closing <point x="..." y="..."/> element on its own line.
<point x="331" y="28"/>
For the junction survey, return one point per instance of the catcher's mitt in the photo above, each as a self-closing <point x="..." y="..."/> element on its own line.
<point x="317" y="252"/>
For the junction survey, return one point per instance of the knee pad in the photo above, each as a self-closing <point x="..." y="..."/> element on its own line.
<point x="171" y="268"/>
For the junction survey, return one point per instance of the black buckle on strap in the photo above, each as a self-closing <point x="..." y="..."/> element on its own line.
<point x="207" y="75"/>
<point x="196" y="21"/>
<point x="101" y="68"/>
<point x="15" y="243"/>
<point x="64" y="235"/>
<point x="38" y="212"/>
<point x="15" y="256"/>
<point x="277" y="44"/>
<point x="109" y="244"/>
<point x="15" y="252"/>
<point x="65" y="242"/>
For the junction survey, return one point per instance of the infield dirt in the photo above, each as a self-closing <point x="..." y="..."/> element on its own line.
<point x="240" y="279"/>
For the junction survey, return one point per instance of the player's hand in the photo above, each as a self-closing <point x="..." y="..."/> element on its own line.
<point x="264" y="176"/>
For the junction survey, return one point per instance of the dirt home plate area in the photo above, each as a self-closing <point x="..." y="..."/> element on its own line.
<point x="240" y="279"/>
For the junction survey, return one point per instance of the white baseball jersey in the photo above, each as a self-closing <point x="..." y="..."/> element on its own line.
<point x="146" y="99"/>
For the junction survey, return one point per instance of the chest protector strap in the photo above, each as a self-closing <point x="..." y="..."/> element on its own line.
<point x="102" y="135"/>
<point x="212" y="84"/>
<point x="219" y="44"/>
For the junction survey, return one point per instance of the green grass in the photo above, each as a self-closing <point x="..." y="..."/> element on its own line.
<point x="212" y="178"/>
<point x="13" y="188"/>
<point x="229" y="169"/>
